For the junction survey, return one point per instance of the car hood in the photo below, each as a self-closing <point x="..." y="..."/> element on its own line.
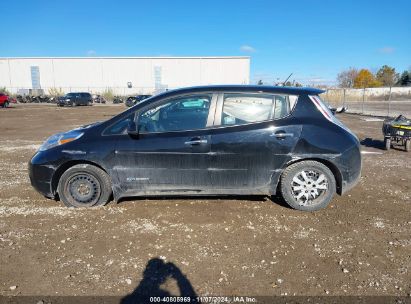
<point x="88" y="126"/>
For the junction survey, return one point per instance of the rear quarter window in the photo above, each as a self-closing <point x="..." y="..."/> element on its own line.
<point x="241" y="109"/>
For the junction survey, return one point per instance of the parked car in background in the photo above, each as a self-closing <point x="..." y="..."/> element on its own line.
<point x="12" y="100"/>
<point x="211" y="140"/>
<point x="133" y="100"/>
<point x="4" y="100"/>
<point x="54" y="99"/>
<point x="98" y="99"/>
<point x="75" y="99"/>
<point x="117" y="99"/>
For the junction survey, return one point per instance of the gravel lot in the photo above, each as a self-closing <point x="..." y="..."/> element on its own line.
<point x="359" y="245"/>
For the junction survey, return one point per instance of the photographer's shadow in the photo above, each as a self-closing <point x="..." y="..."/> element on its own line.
<point x="157" y="273"/>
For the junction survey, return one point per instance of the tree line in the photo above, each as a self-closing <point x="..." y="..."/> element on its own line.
<point x="386" y="76"/>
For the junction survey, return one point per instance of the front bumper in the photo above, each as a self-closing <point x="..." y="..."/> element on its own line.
<point x="64" y="103"/>
<point x="41" y="176"/>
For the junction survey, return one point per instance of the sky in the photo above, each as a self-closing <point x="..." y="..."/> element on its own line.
<point x="312" y="39"/>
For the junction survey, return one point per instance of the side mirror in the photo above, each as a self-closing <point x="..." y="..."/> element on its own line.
<point x="132" y="128"/>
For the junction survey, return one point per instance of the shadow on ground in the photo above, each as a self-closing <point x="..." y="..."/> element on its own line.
<point x="379" y="144"/>
<point x="156" y="274"/>
<point x="275" y="199"/>
<point x="373" y="143"/>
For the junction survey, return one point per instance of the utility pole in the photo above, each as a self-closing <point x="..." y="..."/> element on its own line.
<point x="363" y="99"/>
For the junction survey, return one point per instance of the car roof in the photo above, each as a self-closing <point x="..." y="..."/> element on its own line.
<point x="251" y="88"/>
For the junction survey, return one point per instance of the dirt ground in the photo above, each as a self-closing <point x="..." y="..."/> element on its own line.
<point x="359" y="245"/>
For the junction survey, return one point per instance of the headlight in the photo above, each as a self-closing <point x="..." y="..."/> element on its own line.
<point x="60" y="139"/>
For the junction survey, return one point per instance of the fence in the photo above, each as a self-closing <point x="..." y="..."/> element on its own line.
<point x="389" y="102"/>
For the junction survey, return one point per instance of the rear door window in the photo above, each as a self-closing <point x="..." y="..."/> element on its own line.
<point x="239" y="109"/>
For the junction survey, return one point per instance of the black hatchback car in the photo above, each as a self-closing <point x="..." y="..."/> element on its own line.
<point x="212" y="140"/>
<point x="75" y="99"/>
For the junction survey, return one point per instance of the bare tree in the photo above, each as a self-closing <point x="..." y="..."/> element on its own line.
<point x="345" y="79"/>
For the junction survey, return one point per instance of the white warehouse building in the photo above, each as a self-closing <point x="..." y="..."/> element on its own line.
<point x="122" y="75"/>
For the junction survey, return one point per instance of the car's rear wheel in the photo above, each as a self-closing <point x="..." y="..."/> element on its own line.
<point x="84" y="185"/>
<point x="308" y="185"/>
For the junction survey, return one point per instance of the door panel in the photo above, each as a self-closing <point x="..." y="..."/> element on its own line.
<point x="168" y="155"/>
<point x="250" y="157"/>
<point x="254" y="141"/>
<point x="163" y="162"/>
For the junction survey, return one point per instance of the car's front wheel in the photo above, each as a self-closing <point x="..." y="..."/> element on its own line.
<point x="84" y="185"/>
<point x="308" y="185"/>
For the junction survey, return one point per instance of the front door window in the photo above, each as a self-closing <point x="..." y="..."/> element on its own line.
<point x="183" y="113"/>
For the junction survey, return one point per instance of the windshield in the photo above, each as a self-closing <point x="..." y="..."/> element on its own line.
<point x="70" y="95"/>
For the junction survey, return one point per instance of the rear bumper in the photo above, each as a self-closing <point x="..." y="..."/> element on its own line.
<point x="347" y="185"/>
<point x="350" y="164"/>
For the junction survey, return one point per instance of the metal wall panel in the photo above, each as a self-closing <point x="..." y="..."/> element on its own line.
<point x="115" y="72"/>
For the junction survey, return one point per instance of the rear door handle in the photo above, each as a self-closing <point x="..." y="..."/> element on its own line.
<point x="196" y="141"/>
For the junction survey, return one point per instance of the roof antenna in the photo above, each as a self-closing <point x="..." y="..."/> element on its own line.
<point x="287" y="79"/>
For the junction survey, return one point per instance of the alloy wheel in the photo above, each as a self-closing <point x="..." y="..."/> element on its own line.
<point x="308" y="186"/>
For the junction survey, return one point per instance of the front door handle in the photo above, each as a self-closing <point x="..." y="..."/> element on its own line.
<point x="282" y="134"/>
<point x="196" y="141"/>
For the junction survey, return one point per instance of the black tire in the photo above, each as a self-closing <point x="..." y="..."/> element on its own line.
<point x="387" y="143"/>
<point x="315" y="170"/>
<point x="408" y="145"/>
<point x="93" y="181"/>
<point x="6" y="104"/>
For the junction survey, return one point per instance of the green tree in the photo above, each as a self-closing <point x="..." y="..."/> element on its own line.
<point x="366" y="79"/>
<point x="260" y="82"/>
<point x="387" y="76"/>
<point x="405" y="79"/>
